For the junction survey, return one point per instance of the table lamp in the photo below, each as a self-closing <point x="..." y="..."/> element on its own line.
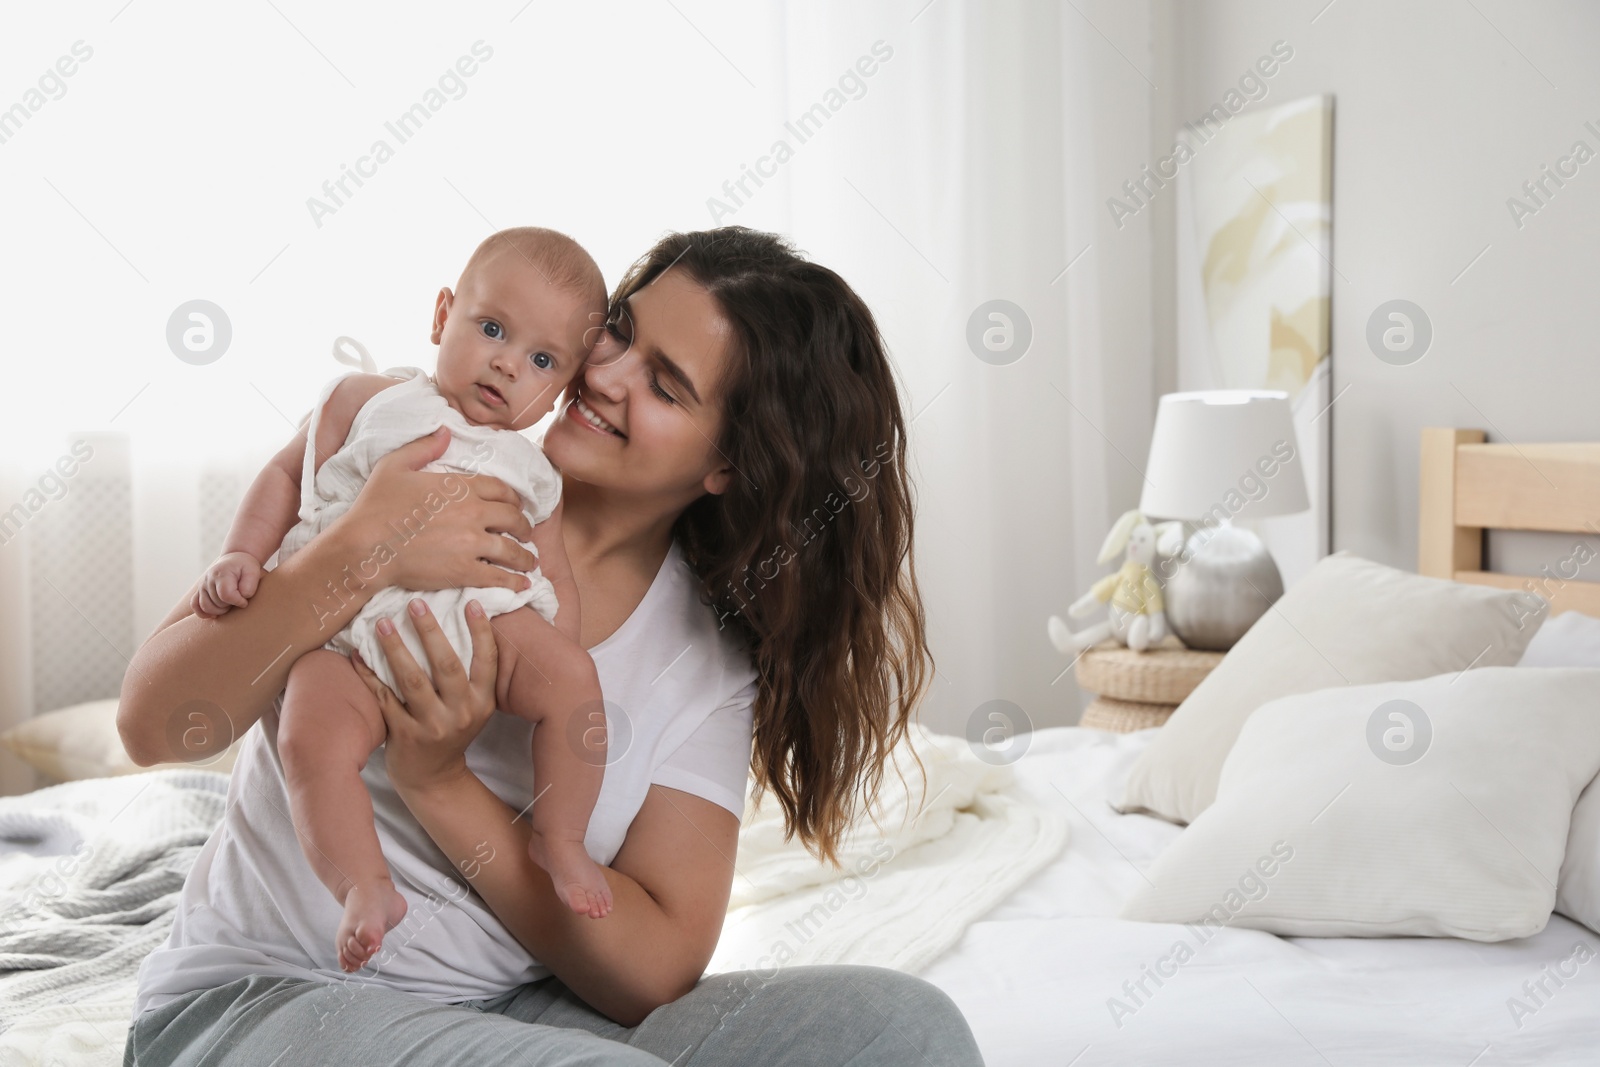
<point x="1217" y="456"/>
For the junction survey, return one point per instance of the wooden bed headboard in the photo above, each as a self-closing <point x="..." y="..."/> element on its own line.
<point x="1468" y="487"/>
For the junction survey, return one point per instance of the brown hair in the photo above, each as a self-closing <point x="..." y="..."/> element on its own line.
<point x="807" y="554"/>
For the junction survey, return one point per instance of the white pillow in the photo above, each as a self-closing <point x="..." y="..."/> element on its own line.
<point x="1573" y="640"/>
<point x="1322" y="828"/>
<point x="1578" y="888"/>
<point x="81" y="741"/>
<point x="1349" y="621"/>
<point x="1570" y="639"/>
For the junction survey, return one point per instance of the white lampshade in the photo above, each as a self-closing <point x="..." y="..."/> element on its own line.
<point x="1222" y="455"/>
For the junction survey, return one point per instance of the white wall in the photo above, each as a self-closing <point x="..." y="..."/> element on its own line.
<point x="167" y="152"/>
<point x="1442" y="110"/>
<point x="172" y="168"/>
<point x="177" y="162"/>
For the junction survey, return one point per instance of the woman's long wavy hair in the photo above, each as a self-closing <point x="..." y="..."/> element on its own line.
<point x="808" y="551"/>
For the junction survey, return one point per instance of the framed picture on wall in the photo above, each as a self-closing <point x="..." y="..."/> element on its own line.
<point x="1254" y="283"/>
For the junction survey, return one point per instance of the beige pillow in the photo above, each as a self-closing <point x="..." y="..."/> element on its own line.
<point x="1349" y="621"/>
<point x="1434" y="808"/>
<point x="81" y="741"/>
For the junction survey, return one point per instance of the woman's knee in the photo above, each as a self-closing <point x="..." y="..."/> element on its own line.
<point x="915" y="994"/>
<point x="916" y="1022"/>
<point x="927" y="1024"/>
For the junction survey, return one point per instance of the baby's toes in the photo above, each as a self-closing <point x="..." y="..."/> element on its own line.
<point x="599" y="901"/>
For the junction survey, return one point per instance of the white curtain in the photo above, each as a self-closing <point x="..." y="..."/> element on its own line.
<point x="975" y="167"/>
<point x="971" y="164"/>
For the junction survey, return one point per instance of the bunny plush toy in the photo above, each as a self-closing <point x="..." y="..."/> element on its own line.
<point x="1137" y="613"/>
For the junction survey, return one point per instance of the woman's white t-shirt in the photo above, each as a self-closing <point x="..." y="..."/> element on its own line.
<point x="678" y="694"/>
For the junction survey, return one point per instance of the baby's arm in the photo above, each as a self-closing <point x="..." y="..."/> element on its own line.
<point x="271" y="506"/>
<point x="553" y="564"/>
<point x="268" y="511"/>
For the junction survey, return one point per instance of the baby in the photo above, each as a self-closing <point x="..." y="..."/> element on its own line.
<point x="510" y="338"/>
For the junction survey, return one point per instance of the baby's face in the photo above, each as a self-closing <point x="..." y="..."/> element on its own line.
<point x="509" y="343"/>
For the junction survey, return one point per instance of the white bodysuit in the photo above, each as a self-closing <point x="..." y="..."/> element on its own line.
<point x="394" y="416"/>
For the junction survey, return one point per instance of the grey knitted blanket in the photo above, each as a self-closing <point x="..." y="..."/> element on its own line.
<point x="89" y="878"/>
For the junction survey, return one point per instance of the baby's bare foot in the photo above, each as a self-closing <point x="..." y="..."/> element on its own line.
<point x="577" y="879"/>
<point x="371" y="910"/>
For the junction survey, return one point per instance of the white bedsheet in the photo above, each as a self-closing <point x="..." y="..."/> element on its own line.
<point x="1035" y="977"/>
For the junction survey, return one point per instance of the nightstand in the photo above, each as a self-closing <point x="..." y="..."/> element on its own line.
<point x="1138" y="690"/>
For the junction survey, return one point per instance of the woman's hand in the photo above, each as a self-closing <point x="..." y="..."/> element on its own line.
<point x="416" y="529"/>
<point x="430" y="732"/>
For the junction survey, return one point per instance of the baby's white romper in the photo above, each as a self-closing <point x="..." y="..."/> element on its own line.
<point x="394" y="416"/>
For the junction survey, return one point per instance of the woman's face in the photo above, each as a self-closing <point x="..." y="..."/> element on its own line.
<point x="650" y="384"/>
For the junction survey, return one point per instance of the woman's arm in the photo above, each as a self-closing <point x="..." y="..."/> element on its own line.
<point x="670" y="881"/>
<point x="670" y="884"/>
<point x="229" y="669"/>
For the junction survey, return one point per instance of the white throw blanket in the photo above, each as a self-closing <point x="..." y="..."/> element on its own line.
<point x="91" y="871"/>
<point x="938" y="859"/>
<point x="89" y="875"/>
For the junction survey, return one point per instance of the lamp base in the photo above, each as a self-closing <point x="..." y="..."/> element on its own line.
<point x="1227" y="581"/>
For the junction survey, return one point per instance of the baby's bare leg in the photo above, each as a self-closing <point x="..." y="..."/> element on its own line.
<point x="549" y="679"/>
<point x="329" y="727"/>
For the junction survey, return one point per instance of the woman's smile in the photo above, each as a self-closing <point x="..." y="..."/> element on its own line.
<point x="587" y="416"/>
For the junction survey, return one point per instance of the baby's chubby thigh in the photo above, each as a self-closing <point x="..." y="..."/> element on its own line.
<point x="330" y="720"/>
<point x="544" y="676"/>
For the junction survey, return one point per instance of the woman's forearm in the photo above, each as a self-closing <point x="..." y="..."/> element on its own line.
<point x="222" y="674"/>
<point x="624" y="965"/>
<point x="407" y="528"/>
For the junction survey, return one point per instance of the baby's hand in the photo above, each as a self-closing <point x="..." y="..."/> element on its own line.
<point x="230" y="582"/>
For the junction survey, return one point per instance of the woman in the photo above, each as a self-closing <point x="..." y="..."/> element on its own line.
<point x="738" y="520"/>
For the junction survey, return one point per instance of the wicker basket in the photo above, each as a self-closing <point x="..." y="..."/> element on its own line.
<point x="1165" y="675"/>
<point x="1124" y="716"/>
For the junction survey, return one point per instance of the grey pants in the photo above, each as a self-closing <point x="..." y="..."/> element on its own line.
<point x="802" y="1016"/>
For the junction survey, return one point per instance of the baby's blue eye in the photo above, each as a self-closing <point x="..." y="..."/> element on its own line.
<point x="542" y="360"/>
<point x="493" y="330"/>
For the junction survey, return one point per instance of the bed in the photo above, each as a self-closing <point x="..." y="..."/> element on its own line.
<point x="1467" y="487"/>
<point x="1036" y="977"/>
<point x="1005" y="887"/>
